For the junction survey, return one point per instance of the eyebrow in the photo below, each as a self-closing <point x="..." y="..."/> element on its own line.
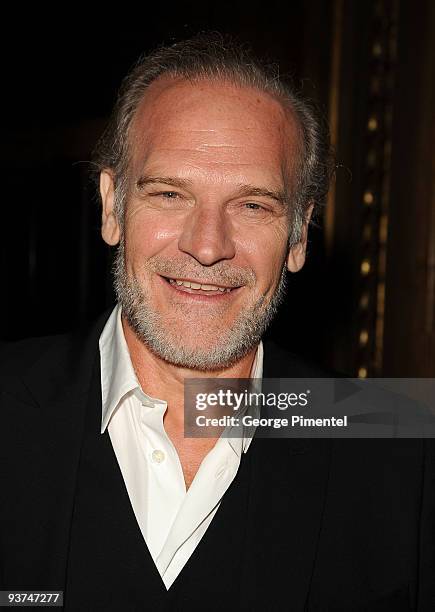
<point x="143" y="181"/>
<point x="279" y="196"/>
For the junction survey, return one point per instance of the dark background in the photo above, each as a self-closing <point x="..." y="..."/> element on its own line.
<point x="364" y="303"/>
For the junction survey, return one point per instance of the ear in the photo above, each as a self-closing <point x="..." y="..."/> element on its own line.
<point x="110" y="229"/>
<point x="296" y="255"/>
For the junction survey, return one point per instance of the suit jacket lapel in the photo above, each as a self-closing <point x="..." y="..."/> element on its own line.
<point x="45" y="412"/>
<point x="288" y="492"/>
<point x="108" y="557"/>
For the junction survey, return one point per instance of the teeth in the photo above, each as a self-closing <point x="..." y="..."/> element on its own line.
<point x="192" y="285"/>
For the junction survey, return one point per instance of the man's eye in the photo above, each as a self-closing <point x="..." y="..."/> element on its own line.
<point x="168" y="194"/>
<point x="254" y="206"/>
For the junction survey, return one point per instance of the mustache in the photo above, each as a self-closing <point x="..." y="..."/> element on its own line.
<point x="219" y="273"/>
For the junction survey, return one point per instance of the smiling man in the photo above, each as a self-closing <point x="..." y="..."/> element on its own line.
<point x="209" y="173"/>
<point x="206" y="196"/>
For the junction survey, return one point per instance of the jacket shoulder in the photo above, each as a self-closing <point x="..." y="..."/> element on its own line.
<point x="36" y="366"/>
<point x="282" y="363"/>
<point x="18" y="357"/>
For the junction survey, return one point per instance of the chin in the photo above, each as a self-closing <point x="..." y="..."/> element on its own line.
<point x="206" y="357"/>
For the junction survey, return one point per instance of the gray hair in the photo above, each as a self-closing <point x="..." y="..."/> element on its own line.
<point x="212" y="56"/>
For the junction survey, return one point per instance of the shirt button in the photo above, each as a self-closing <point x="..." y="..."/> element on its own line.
<point x="158" y="456"/>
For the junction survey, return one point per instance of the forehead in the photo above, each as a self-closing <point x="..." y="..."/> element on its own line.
<point x="214" y="126"/>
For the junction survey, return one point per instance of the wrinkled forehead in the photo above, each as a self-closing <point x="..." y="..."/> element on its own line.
<point x="213" y="113"/>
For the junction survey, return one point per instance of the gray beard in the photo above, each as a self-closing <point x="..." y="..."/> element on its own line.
<point x="228" y="348"/>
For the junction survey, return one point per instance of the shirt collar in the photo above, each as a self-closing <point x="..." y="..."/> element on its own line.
<point x="118" y="377"/>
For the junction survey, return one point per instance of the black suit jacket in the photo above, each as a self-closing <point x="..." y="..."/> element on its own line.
<point x="306" y="524"/>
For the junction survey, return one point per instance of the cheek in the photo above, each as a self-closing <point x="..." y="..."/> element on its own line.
<point x="265" y="250"/>
<point x="149" y="234"/>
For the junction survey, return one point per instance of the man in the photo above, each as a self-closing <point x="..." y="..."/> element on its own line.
<point x="208" y="175"/>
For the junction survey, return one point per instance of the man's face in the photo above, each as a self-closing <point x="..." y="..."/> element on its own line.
<point x="203" y="252"/>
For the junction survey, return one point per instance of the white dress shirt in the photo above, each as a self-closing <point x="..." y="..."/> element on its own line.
<point x="171" y="519"/>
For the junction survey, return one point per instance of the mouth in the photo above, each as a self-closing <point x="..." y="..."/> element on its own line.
<point x="196" y="287"/>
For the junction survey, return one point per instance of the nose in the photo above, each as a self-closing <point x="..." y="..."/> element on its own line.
<point x="207" y="236"/>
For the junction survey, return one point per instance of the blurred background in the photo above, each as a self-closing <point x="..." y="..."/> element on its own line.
<point x="365" y="301"/>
